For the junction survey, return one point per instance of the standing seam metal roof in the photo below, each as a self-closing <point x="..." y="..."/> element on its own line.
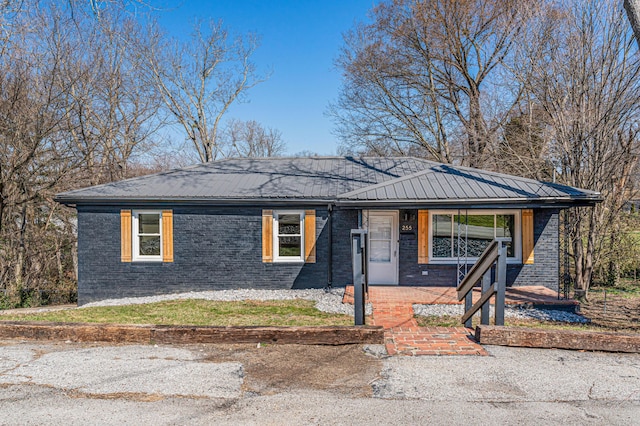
<point x="350" y="179"/>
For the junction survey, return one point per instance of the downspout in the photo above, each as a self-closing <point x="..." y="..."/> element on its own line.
<point x="330" y="248"/>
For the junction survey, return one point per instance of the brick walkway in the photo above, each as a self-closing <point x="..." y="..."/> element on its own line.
<point x="392" y="309"/>
<point x="403" y="336"/>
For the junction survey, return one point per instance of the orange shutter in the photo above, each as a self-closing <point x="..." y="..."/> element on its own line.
<point x="423" y="236"/>
<point x="527" y="236"/>
<point x="167" y="235"/>
<point x="267" y="236"/>
<point x="310" y="236"/>
<point x="125" y="235"/>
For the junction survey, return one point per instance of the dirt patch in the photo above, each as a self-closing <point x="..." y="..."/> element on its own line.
<point x="619" y="313"/>
<point x="270" y="369"/>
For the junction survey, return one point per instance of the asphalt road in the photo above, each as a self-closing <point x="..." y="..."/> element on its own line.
<point x="58" y="383"/>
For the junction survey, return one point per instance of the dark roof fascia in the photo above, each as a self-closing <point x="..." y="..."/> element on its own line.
<point x="249" y="202"/>
<point x="550" y="202"/>
<point x="343" y="204"/>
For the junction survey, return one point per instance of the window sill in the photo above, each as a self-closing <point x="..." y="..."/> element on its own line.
<point x="288" y="261"/>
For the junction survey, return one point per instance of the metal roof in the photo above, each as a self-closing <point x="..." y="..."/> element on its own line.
<point x="347" y="180"/>
<point x="443" y="183"/>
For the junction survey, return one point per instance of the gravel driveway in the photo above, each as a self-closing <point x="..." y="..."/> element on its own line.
<point x="64" y="383"/>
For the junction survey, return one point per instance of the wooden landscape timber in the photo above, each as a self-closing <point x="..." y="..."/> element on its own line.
<point x="557" y="339"/>
<point x="149" y="334"/>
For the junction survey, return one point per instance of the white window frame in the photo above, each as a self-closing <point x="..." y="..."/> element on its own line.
<point x="276" y="239"/>
<point x="135" y="246"/>
<point x="517" y="238"/>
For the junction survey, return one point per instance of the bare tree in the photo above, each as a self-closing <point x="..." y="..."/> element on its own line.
<point x="523" y="147"/>
<point x="585" y="81"/>
<point x="71" y="113"/>
<point x="429" y="74"/>
<point x="115" y="111"/>
<point x="200" y="79"/>
<point x="35" y="156"/>
<point x="251" y="139"/>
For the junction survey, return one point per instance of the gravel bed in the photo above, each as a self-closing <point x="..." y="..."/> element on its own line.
<point x="509" y="312"/>
<point x="329" y="301"/>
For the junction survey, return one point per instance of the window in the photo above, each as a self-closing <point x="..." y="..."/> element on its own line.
<point x="289" y="235"/>
<point x="147" y="235"/>
<point x="481" y="228"/>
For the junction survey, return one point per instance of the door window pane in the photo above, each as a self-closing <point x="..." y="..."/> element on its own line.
<point x="380" y="251"/>
<point x="380" y="228"/>
<point x="380" y="234"/>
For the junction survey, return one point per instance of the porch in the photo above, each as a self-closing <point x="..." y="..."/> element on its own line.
<point x="393" y="310"/>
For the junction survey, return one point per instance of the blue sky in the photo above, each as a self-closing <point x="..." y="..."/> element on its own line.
<point x="299" y="43"/>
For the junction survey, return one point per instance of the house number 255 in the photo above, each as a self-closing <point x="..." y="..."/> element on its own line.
<point x="406" y="228"/>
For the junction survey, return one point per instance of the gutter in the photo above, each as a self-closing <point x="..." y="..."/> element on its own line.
<point x="546" y="202"/>
<point x="231" y="202"/>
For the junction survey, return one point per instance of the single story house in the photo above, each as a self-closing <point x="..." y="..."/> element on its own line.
<point x="273" y="223"/>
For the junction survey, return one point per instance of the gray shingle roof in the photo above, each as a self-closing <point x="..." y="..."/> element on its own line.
<point x="325" y="179"/>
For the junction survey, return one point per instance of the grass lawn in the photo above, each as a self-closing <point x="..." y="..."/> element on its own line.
<point x="198" y="312"/>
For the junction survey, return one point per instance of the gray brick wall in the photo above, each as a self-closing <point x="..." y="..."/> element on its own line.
<point x="343" y="222"/>
<point x="214" y="249"/>
<point x="220" y="248"/>
<point x="545" y="269"/>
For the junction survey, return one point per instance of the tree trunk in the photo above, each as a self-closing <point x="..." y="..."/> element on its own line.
<point x="478" y="138"/>
<point x="633" y="13"/>
<point x="15" y="291"/>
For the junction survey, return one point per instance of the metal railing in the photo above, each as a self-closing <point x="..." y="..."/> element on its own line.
<point x="360" y="277"/>
<point x="496" y="254"/>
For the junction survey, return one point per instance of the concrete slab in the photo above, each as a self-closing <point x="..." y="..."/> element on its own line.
<point x="132" y="369"/>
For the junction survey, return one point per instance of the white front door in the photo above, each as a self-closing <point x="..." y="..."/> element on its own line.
<point x="383" y="247"/>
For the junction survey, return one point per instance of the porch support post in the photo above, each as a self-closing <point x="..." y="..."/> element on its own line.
<point x="468" y="303"/>
<point x="486" y="283"/>
<point x="358" y="262"/>
<point x="330" y="246"/>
